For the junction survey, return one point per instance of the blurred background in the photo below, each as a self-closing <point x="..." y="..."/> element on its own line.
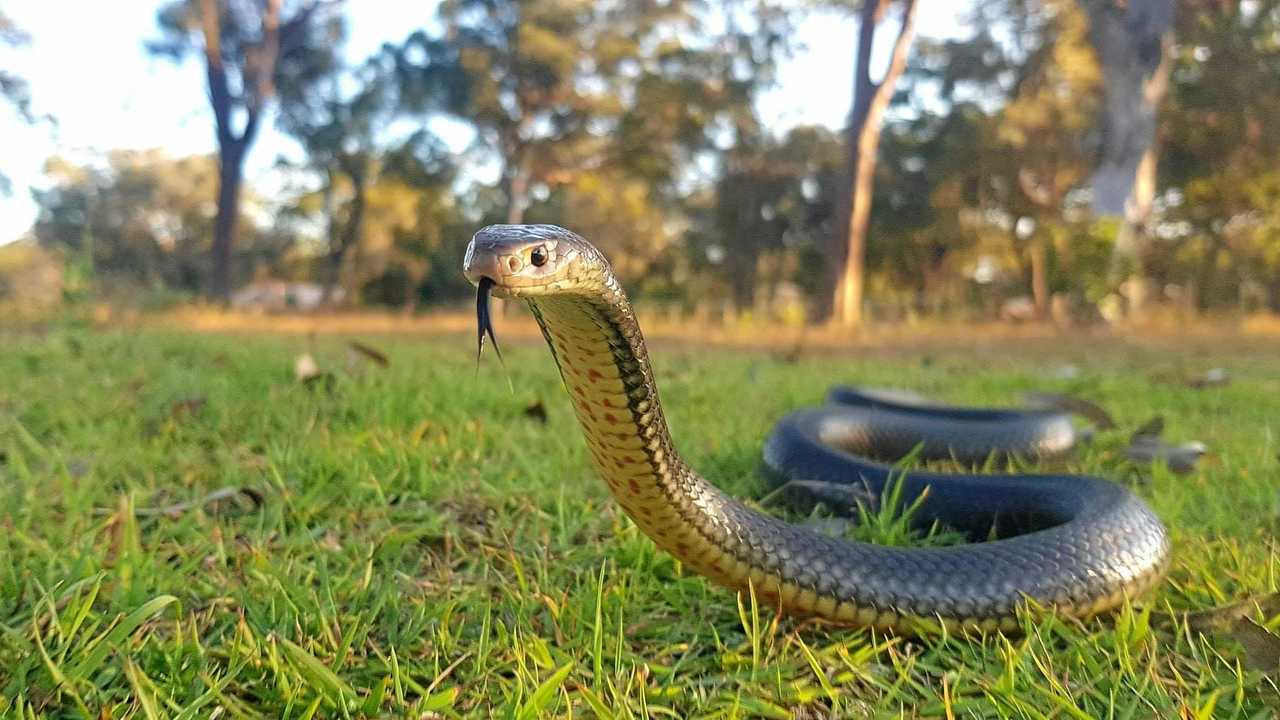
<point x="750" y="162"/>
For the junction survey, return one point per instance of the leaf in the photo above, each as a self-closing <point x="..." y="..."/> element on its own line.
<point x="597" y="705"/>
<point x="369" y="353"/>
<point x="1151" y="428"/>
<point x="113" y="638"/>
<point x="317" y="673"/>
<point x="1213" y="377"/>
<point x="759" y="707"/>
<point x="545" y="693"/>
<point x="308" y="372"/>
<point x="1180" y="459"/>
<point x="442" y="700"/>
<point x="305" y="368"/>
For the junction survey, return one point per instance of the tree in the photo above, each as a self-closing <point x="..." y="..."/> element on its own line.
<point x="407" y="218"/>
<point x="524" y="84"/>
<point x="558" y="89"/>
<point x="345" y="127"/>
<point x="770" y="216"/>
<point x="143" y="216"/>
<point x="1219" y="218"/>
<point x="254" y="51"/>
<point x="1133" y="42"/>
<point x="1044" y="124"/>
<point x="870" y="100"/>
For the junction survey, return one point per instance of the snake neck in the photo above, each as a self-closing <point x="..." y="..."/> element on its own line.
<point x="602" y="358"/>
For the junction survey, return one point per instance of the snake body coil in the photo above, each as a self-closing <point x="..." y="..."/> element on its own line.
<point x="1103" y="545"/>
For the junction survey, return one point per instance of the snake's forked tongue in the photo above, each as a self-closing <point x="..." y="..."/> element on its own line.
<point x="484" y="321"/>
<point x="484" y="324"/>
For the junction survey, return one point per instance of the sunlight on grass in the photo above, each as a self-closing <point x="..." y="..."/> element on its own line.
<point x="425" y="548"/>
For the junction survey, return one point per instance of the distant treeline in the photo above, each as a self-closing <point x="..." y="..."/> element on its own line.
<point x="636" y="125"/>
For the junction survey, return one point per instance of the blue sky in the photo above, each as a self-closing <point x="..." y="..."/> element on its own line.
<point x="87" y="68"/>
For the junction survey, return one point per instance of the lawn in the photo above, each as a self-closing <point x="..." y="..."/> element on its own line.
<point x="413" y="541"/>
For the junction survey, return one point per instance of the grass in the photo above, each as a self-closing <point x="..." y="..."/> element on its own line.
<point x="423" y="548"/>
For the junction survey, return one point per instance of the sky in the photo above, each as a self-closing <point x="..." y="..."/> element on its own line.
<point x="95" y="77"/>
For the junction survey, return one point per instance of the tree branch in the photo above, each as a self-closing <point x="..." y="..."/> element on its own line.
<point x="264" y="60"/>
<point x="863" y="88"/>
<point x="901" y="46"/>
<point x="219" y="93"/>
<point x="883" y="91"/>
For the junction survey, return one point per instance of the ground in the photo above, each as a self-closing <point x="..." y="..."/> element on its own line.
<point x="413" y="541"/>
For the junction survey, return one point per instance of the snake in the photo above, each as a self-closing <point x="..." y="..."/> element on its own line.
<point x="1081" y="545"/>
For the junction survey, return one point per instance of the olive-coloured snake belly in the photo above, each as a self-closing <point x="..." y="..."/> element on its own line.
<point x="1092" y="544"/>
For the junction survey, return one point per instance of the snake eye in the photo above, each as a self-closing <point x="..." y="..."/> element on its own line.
<point x="538" y="256"/>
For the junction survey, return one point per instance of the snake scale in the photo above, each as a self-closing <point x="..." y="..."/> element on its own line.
<point x="1092" y="543"/>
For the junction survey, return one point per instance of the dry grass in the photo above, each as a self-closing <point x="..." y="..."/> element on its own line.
<point x="517" y="325"/>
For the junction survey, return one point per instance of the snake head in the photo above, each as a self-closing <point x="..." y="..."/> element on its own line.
<point x="526" y="261"/>
<point x="529" y="262"/>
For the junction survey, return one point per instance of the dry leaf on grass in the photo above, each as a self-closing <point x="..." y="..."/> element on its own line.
<point x="1261" y="646"/>
<point x="187" y="407"/>
<point x="536" y="411"/>
<point x="308" y="372"/>
<point x="1146" y="447"/>
<point x="305" y="367"/>
<point x="1213" y="377"/>
<point x="368" y="353"/>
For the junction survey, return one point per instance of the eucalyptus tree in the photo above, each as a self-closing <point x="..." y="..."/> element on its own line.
<point x="870" y="101"/>
<point x="255" y="52"/>
<point x="607" y="117"/>
<point x="352" y="131"/>
<point x="1133" y="43"/>
<point x="140" y="218"/>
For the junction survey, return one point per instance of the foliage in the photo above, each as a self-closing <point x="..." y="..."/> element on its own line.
<point x="771" y="215"/>
<point x="148" y="218"/>
<point x="1222" y="203"/>
<point x="636" y="124"/>
<point x="363" y="166"/>
<point x="31" y="282"/>
<point x="253" y="53"/>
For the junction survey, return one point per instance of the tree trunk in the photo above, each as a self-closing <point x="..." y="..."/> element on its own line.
<point x="1207" y="272"/>
<point x="517" y="195"/>
<point x="233" y="147"/>
<point x="870" y="100"/>
<point x="230" y="176"/>
<point x="331" y="233"/>
<point x="342" y="241"/>
<point x="1039" y="259"/>
<point x="1133" y="41"/>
